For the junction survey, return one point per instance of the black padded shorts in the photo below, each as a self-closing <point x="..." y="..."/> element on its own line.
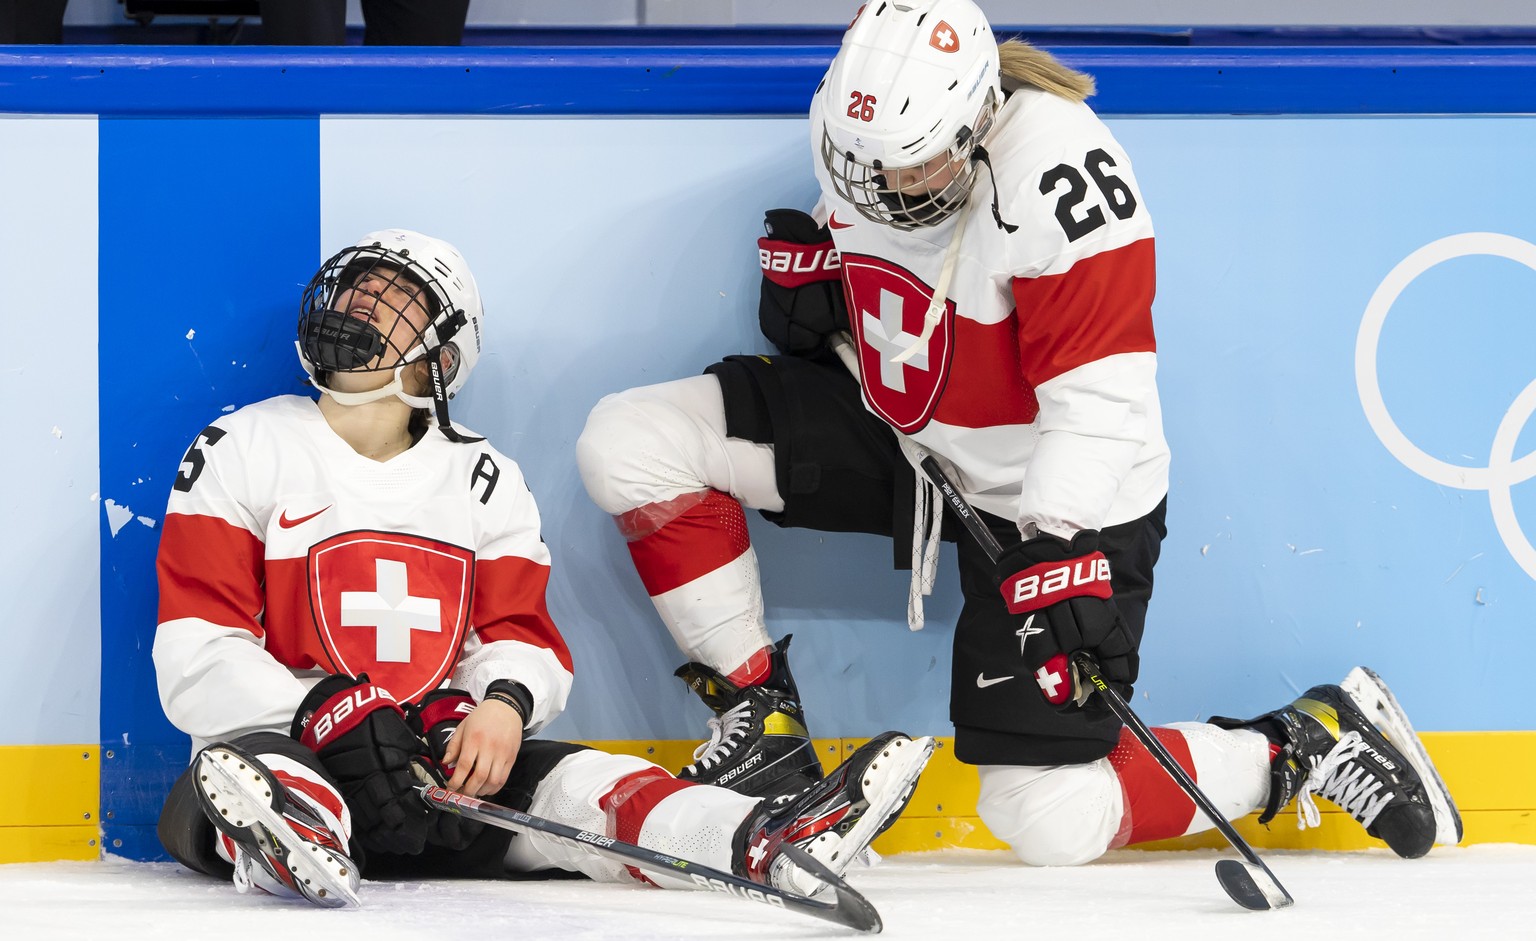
<point x="839" y="469"/>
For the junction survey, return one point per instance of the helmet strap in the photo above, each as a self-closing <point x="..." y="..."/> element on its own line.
<point x="440" y="405"/>
<point x="980" y="155"/>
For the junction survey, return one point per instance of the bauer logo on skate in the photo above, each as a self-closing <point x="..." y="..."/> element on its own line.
<point x="1050" y="582"/>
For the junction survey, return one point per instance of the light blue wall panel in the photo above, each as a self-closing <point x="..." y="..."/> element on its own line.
<point x="615" y="253"/>
<point x="50" y="604"/>
<point x="1299" y="545"/>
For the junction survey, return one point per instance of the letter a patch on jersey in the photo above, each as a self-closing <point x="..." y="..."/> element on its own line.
<point x="393" y="606"/>
<point x="887" y="306"/>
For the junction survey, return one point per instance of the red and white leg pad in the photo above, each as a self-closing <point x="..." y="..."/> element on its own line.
<point x="633" y="800"/>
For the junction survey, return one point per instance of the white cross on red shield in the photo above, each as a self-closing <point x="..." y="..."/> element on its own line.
<point x="886" y="306"/>
<point x="393" y="606"/>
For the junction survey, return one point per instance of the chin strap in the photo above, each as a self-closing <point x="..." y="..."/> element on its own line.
<point x="395" y="387"/>
<point x="437" y="401"/>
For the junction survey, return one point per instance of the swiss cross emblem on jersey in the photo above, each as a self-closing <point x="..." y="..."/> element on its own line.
<point x="886" y="306"/>
<point x="944" y="38"/>
<point x="393" y="606"/>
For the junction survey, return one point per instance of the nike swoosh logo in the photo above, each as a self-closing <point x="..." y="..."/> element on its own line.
<point x="832" y="223"/>
<point x="287" y="523"/>
<point x="982" y="682"/>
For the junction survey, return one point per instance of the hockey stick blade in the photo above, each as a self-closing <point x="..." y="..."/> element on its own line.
<point x="1250" y="884"/>
<point x="850" y="909"/>
<point x="1239" y="882"/>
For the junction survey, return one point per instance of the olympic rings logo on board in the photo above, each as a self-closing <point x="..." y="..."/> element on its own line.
<point x="1503" y="471"/>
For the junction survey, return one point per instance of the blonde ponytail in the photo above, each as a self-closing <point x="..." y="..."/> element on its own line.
<point x="1023" y="64"/>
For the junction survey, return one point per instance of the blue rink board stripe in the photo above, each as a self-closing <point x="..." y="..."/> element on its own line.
<point x="169" y="188"/>
<point x="740" y="80"/>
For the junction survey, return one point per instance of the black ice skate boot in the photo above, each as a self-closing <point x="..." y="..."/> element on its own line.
<point x="758" y="743"/>
<point x="282" y="844"/>
<point x="835" y="819"/>
<point x="1352" y="745"/>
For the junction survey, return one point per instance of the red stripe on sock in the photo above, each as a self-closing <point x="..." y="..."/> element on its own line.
<point x="754" y="671"/>
<point x="702" y="537"/>
<point x="1156" y="808"/>
<point x="631" y="800"/>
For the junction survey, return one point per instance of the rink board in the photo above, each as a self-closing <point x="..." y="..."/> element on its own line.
<point x="170" y="218"/>
<point x="1495" y="808"/>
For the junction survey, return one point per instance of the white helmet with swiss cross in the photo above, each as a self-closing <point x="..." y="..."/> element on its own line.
<point x="909" y="96"/>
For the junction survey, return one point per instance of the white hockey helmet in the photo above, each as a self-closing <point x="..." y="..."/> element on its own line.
<point x="332" y="341"/>
<point x="915" y="80"/>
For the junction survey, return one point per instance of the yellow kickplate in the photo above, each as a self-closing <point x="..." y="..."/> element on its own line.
<point x="60" y="785"/>
<point x="47" y="844"/>
<point x="942" y="814"/>
<point x="55" y="812"/>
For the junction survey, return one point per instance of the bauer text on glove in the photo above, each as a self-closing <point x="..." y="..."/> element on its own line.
<point x="1063" y="591"/>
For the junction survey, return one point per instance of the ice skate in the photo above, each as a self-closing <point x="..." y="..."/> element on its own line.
<point x="1331" y="747"/>
<point x="1376" y="702"/>
<point x="758" y="742"/>
<point x="281" y="844"/>
<point x="835" y="820"/>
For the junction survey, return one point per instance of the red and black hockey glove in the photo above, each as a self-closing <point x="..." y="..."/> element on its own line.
<point x="801" y="302"/>
<point x="1063" y="592"/>
<point x="435" y="719"/>
<point x="364" y="741"/>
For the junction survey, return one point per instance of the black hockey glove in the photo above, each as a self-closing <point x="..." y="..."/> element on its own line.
<point x="362" y="738"/>
<point x="1063" y="591"/>
<point x="802" y="295"/>
<point x="435" y="720"/>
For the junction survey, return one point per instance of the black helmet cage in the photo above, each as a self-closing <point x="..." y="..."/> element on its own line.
<point x="334" y="341"/>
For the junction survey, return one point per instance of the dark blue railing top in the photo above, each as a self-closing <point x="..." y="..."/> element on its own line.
<point x="738" y="79"/>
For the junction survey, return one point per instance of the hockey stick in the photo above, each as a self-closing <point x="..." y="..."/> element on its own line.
<point x="850" y="910"/>
<point x="1252" y="886"/>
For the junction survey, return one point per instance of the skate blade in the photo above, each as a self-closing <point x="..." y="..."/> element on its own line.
<point x="1375" y="699"/>
<point x="887" y="785"/>
<point x="240" y="794"/>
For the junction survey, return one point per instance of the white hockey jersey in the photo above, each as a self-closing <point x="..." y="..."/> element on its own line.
<point x="286" y="556"/>
<point x="1039" y="384"/>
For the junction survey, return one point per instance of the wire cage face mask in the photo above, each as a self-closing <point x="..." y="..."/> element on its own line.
<point x="372" y="309"/>
<point x="911" y="197"/>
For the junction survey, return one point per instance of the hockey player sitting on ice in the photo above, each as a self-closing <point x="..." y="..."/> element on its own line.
<point x="981" y="260"/>
<point x="352" y="604"/>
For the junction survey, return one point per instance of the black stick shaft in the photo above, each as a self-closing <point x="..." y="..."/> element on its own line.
<point x="1138" y="728"/>
<point x="851" y="909"/>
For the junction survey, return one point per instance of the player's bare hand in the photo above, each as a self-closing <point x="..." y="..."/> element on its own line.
<point x="482" y="751"/>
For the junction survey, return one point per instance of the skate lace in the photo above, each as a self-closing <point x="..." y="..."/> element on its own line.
<point x="242" y="876"/>
<point x="729" y="725"/>
<point x="1338" y="777"/>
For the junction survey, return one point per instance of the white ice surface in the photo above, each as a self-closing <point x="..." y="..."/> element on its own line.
<point x="1471" y="892"/>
